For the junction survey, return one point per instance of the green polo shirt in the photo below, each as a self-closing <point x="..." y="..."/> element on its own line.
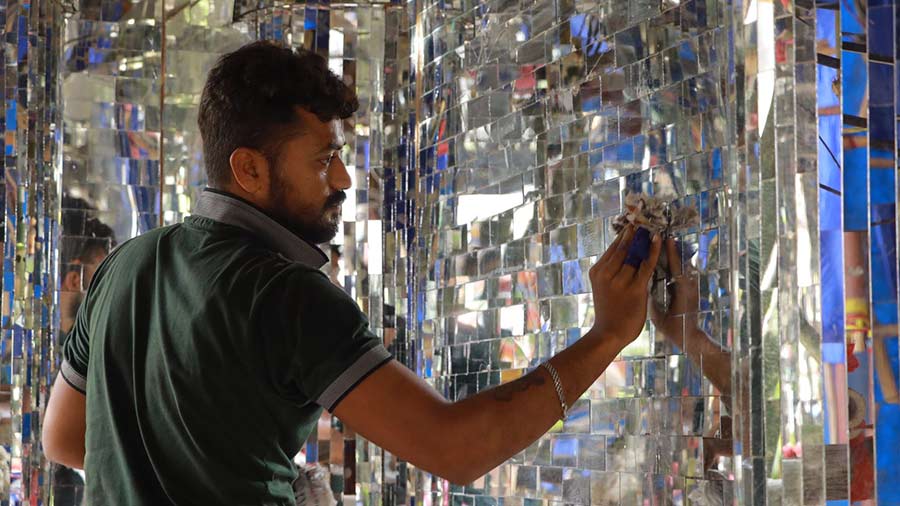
<point x="207" y="351"/>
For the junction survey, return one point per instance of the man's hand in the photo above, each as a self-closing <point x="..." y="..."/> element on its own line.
<point x="620" y="290"/>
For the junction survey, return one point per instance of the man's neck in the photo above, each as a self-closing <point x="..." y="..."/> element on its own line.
<point x="235" y="195"/>
<point x="231" y="194"/>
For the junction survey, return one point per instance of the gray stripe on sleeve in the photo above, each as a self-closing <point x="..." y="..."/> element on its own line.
<point x="349" y="378"/>
<point x="76" y="380"/>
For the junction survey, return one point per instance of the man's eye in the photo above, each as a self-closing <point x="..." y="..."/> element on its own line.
<point x="327" y="161"/>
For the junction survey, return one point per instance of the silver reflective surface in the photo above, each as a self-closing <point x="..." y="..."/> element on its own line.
<point x="550" y="114"/>
<point x="29" y="141"/>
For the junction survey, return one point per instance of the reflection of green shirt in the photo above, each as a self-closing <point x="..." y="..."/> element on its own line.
<point x="207" y="351"/>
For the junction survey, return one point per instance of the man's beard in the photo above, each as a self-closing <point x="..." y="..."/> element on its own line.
<point x="316" y="226"/>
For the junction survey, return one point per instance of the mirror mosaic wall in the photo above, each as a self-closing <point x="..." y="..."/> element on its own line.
<point x="30" y="130"/>
<point x="494" y="145"/>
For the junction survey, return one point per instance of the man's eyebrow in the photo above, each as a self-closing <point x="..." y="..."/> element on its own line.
<point x="331" y="147"/>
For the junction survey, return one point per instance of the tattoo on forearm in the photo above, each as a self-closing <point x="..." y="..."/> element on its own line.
<point x="507" y="391"/>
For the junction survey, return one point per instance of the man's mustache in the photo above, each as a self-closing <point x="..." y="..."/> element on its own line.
<point x="335" y="199"/>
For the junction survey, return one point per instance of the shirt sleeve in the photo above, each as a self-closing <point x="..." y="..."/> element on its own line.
<point x="76" y="350"/>
<point x="317" y="342"/>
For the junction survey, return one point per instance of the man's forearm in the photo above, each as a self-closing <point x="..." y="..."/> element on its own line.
<point x="508" y="418"/>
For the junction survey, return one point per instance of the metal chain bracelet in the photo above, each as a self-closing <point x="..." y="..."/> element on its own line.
<point x="559" y="389"/>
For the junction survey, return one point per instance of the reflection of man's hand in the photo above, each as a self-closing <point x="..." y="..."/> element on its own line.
<point x="680" y="326"/>
<point x="721" y="446"/>
<point x="684" y="294"/>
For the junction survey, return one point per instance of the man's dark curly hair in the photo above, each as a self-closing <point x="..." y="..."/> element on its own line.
<point x="250" y="97"/>
<point x="83" y="237"/>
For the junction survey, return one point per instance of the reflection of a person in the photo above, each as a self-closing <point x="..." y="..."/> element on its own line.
<point x="679" y="324"/>
<point x="86" y="242"/>
<point x="82" y="251"/>
<point x="334" y="265"/>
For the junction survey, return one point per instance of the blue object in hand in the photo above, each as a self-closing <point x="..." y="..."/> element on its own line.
<point x="639" y="250"/>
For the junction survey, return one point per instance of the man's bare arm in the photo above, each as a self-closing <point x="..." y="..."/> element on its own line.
<point x="464" y="440"/>
<point x="64" y="425"/>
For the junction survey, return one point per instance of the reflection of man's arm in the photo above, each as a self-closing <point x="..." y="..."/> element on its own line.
<point x="679" y="325"/>
<point x="64" y="425"/>
<point x="713" y="360"/>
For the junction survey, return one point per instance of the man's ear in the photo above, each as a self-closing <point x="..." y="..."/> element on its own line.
<point x="71" y="282"/>
<point x="250" y="170"/>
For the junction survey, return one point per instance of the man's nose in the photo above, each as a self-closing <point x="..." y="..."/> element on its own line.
<point x="338" y="176"/>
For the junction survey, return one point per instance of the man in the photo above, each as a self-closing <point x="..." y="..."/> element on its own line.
<point x="204" y="352"/>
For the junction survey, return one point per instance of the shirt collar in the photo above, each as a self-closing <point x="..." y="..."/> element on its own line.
<point x="232" y="210"/>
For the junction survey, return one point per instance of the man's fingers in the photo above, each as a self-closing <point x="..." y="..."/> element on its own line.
<point x="626" y="238"/>
<point x="612" y="247"/>
<point x="648" y="266"/>
<point x="673" y="257"/>
<point x="618" y="257"/>
<point x="627" y="272"/>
